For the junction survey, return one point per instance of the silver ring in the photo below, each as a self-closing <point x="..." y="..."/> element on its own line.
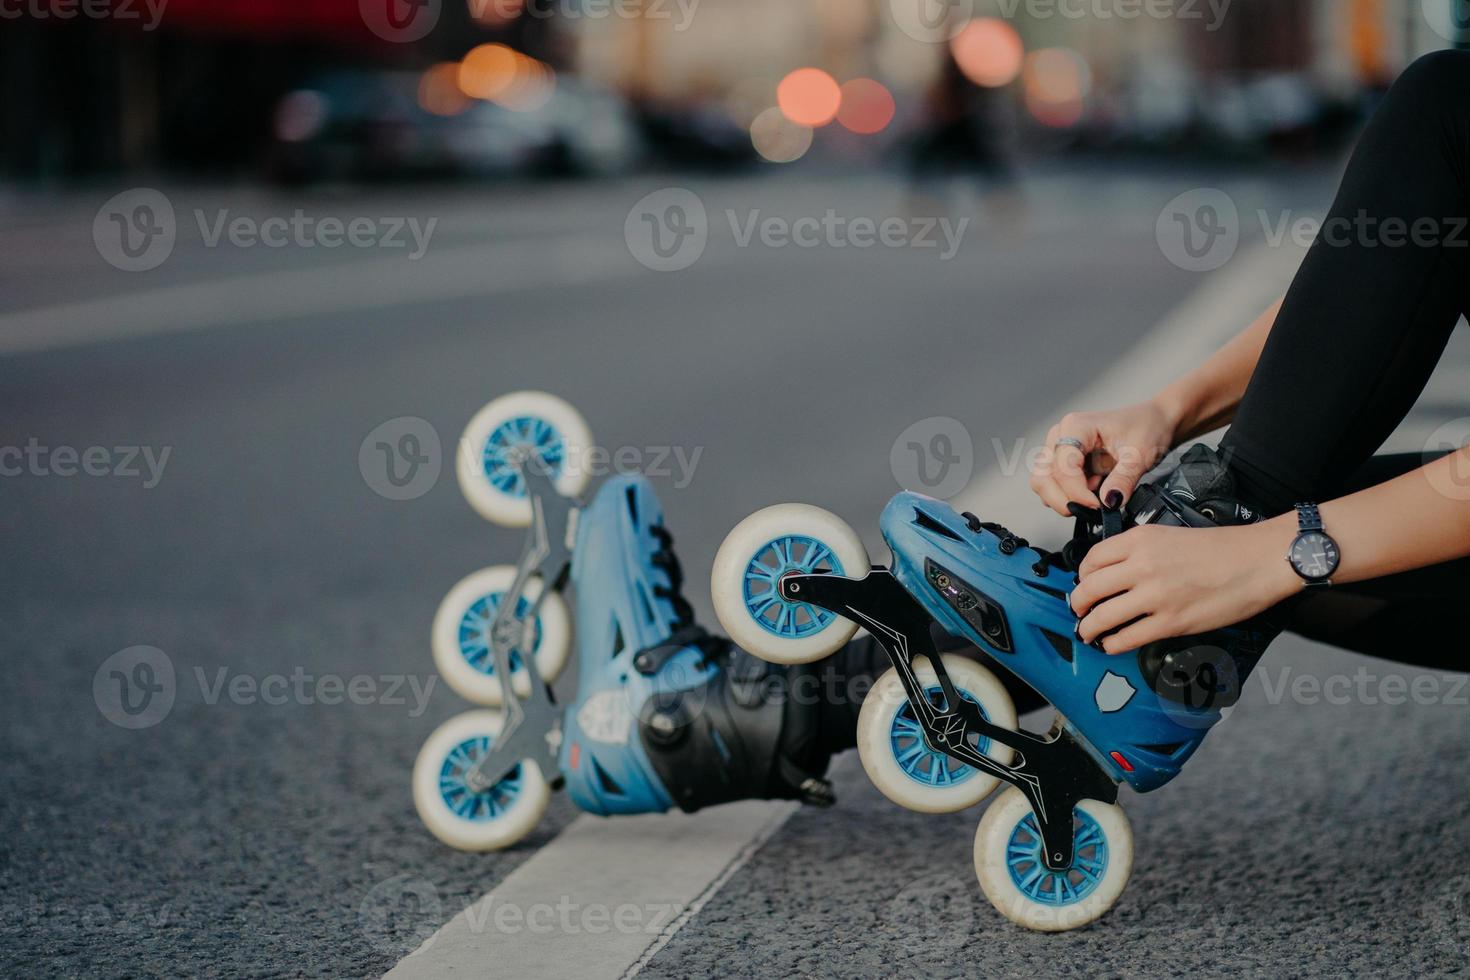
<point x="1074" y="443"/>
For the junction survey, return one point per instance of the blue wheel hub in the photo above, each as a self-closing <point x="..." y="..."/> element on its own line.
<point x="913" y="754"/>
<point x="793" y="554"/>
<point x="515" y="442"/>
<point x="474" y="633"/>
<point x="469" y="804"/>
<point x="1039" y="883"/>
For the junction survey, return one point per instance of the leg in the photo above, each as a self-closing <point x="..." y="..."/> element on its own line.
<point x="1365" y="322"/>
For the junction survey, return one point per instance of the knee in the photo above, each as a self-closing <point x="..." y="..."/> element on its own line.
<point x="1442" y="76"/>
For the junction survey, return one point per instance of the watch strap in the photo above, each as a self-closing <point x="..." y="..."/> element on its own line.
<point x="1308" y="518"/>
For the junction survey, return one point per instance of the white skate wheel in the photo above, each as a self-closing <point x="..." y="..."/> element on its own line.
<point x="461" y="635"/>
<point x="1008" y="861"/>
<point x="465" y="819"/>
<point x="903" y="766"/>
<point x="749" y="565"/>
<point x="521" y="422"/>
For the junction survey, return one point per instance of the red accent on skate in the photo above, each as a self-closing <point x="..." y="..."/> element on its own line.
<point x="1118" y="758"/>
<point x="575" y="755"/>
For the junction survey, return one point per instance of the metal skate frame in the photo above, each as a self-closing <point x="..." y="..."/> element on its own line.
<point x="1055" y="772"/>
<point x="532" y="724"/>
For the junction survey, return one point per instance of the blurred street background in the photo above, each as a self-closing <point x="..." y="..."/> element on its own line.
<point x="762" y="245"/>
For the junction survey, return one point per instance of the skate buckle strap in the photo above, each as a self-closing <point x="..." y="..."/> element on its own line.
<point x="651" y="660"/>
<point x="810" y="790"/>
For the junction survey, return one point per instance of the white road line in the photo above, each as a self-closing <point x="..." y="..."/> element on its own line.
<point x="599" y="900"/>
<point x="376" y="282"/>
<point x="682" y="861"/>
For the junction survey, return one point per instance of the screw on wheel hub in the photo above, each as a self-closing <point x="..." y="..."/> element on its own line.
<point x="771" y="598"/>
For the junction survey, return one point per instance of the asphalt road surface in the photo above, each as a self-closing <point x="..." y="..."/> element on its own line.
<point x="231" y="523"/>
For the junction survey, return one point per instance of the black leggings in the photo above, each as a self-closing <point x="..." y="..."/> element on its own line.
<point x="1361" y="330"/>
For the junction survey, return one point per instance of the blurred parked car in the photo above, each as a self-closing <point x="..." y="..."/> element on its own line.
<point x="370" y="125"/>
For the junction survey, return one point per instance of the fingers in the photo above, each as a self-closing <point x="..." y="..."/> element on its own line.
<point x="1070" y="462"/>
<point x="1149" y="629"/>
<point x="1103" y="585"/>
<point x="1131" y="467"/>
<point x="1043" y="477"/>
<point x="1111" y="615"/>
<point x="1105" y="553"/>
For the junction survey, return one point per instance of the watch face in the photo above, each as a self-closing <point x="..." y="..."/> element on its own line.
<point x="1314" y="555"/>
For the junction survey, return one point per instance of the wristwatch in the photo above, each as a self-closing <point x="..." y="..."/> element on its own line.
<point x="1314" y="554"/>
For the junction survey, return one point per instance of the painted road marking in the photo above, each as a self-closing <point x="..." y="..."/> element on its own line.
<point x="599" y="900"/>
<point x="374" y="283"/>
<point x="681" y="861"/>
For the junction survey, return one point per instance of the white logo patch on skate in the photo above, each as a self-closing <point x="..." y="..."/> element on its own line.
<point x="1113" y="693"/>
<point x="605" y="717"/>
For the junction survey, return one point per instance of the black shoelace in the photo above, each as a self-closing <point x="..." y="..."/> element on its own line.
<point x="665" y="559"/>
<point x="1090" y="527"/>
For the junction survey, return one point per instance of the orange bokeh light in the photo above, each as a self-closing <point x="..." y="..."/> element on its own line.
<point x="1057" y="83"/>
<point x="439" y="90"/>
<point x="488" y="71"/>
<point x="867" y="106"/>
<point x="809" y="97"/>
<point x="989" y="52"/>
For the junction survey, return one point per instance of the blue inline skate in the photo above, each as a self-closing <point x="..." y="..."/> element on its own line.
<point x="665" y="714"/>
<point x="937" y="734"/>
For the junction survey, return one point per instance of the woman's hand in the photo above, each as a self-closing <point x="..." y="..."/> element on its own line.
<point x="1152" y="583"/>
<point x="1118" y="448"/>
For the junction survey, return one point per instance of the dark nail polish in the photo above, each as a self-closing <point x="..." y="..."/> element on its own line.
<point x="1115" y="499"/>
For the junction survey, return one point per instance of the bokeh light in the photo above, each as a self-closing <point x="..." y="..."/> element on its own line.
<point x="989" y="52"/>
<point x="1057" y="82"/>
<point x="867" y="106"/>
<point x="777" y="138"/>
<point x="439" y="91"/>
<point x="809" y="97"/>
<point x="533" y="87"/>
<point x="489" y="71"/>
